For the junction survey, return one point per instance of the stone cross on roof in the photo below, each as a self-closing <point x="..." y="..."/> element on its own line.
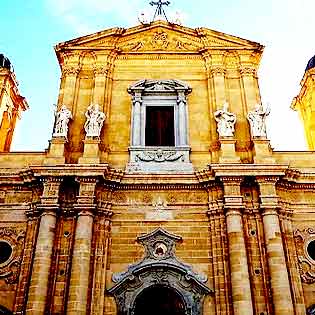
<point x="159" y="9"/>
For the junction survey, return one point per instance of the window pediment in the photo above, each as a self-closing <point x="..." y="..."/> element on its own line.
<point x="162" y="86"/>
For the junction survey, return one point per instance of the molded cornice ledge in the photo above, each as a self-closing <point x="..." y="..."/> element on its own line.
<point x="235" y="170"/>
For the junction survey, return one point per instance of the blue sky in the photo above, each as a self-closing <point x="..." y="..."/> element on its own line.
<point x="30" y="29"/>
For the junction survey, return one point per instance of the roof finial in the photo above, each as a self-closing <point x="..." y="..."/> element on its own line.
<point x="159" y="9"/>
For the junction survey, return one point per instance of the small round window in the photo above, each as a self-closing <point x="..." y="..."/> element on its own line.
<point x="311" y="249"/>
<point x="5" y="252"/>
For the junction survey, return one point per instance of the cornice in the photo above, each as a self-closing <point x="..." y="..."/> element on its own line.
<point x="70" y="170"/>
<point x="300" y="176"/>
<point x="245" y="170"/>
<point x="160" y="179"/>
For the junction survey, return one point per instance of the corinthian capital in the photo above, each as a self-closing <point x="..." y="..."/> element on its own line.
<point x="218" y="71"/>
<point x="70" y="71"/>
<point x="248" y="71"/>
<point x="100" y="70"/>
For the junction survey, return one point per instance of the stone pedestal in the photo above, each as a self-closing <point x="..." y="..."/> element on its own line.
<point x="56" y="151"/>
<point x="263" y="151"/>
<point x="91" y="152"/>
<point x="227" y="153"/>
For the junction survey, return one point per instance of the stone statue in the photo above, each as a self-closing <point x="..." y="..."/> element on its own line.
<point x="94" y="121"/>
<point x="62" y="120"/>
<point x="257" y="120"/>
<point x="225" y="121"/>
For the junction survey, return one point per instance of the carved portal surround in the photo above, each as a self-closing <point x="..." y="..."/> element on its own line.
<point x="304" y="240"/>
<point x="171" y="93"/>
<point x="159" y="268"/>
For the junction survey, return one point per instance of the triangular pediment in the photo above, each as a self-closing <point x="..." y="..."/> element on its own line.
<point x="159" y="36"/>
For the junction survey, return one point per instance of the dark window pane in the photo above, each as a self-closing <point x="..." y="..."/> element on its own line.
<point x="5" y="252"/>
<point x="311" y="249"/>
<point x="159" y="129"/>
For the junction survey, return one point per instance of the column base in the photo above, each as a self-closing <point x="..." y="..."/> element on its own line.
<point x="56" y="151"/>
<point x="91" y="152"/>
<point x="263" y="152"/>
<point x="227" y="153"/>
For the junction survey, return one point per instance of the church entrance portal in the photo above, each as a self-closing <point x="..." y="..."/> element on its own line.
<point x="159" y="300"/>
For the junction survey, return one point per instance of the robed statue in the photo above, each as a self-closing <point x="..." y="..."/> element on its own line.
<point x="94" y="121"/>
<point x="61" y="123"/>
<point x="257" y="120"/>
<point x="225" y="121"/>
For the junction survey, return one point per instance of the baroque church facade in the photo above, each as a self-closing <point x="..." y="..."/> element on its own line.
<point x="159" y="192"/>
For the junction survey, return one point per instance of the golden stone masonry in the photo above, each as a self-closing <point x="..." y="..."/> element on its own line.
<point x="159" y="192"/>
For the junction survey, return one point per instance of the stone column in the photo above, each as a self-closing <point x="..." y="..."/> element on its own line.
<point x="219" y="277"/>
<point x="26" y="264"/>
<point x="69" y="75"/>
<point x="290" y="248"/>
<point x="80" y="270"/>
<point x="100" y="73"/>
<point x="136" y="120"/>
<point x="279" y="279"/>
<point x="182" y="119"/>
<point x="252" y="97"/>
<point x="240" y="282"/>
<point x="38" y="289"/>
<point x="102" y="230"/>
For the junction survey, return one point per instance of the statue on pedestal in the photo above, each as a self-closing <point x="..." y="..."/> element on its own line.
<point x="257" y="120"/>
<point x="225" y="121"/>
<point x="94" y="121"/>
<point x="62" y="119"/>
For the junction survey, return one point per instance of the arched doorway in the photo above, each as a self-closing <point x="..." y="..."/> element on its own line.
<point x="159" y="300"/>
<point x="4" y="311"/>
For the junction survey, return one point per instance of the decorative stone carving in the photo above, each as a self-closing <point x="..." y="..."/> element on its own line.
<point x="225" y="121"/>
<point x="218" y="71"/>
<point x="159" y="267"/>
<point x="306" y="263"/>
<point x="159" y="204"/>
<point x="62" y="120"/>
<point x="70" y="71"/>
<point x="100" y="71"/>
<point x="160" y="40"/>
<point x="159" y="159"/>
<point x="248" y="71"/>
<point x="159" y="156"/>
<point x="9" y="270"/>
<point x="94" y="121"/>
<point x="257" y="120"/>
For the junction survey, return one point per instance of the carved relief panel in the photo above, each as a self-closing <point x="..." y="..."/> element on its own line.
<point x="11" y="248"/>
<point x="305" y="241"/>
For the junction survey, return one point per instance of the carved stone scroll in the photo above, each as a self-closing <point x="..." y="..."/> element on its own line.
<point x="306" y="263"/>
<point x="9" y="270"/>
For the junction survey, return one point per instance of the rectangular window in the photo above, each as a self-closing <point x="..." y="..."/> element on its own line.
<point x="159" y="127"/>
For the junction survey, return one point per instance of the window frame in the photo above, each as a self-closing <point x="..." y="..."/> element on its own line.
<point x="155" y="158"/>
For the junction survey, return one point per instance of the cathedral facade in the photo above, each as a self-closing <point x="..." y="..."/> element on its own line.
<point x="159" y="192"/>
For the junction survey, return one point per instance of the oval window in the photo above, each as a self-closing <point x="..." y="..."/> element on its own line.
<point x="5" y="251"/>
<point x="311" y="249"/>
